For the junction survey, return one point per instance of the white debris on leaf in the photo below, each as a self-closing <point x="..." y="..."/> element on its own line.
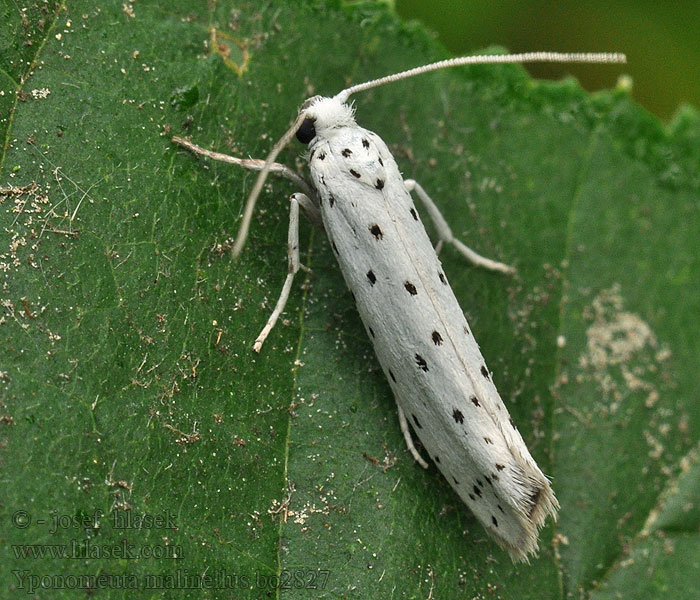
<point x="622" y="351"/>
<point x="40" y="93"/>
<point x="624" y="357"/>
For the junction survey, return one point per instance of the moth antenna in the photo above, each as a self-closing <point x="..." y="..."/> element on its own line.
<point x="259" y="182"/>
<point x="487" y="59"/>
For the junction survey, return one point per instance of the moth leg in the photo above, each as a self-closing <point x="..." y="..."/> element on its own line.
<point x="252" y="164"/>
<point x="292" y="268"/>
<point x="448" y="237"/>
<point x="403" y="423"/>
<point x="309" y="208"/>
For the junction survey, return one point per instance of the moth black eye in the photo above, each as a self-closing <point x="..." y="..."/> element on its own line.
<point x="307" y="131"/>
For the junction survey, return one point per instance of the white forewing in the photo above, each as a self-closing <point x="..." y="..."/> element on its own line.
<point x="421" y="337"/>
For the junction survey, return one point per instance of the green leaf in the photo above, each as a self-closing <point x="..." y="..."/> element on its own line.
<point x="127" y="381"/>
<point x="662" y="561"/>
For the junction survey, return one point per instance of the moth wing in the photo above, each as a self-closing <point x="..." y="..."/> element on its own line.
<point x="422" y="339"/>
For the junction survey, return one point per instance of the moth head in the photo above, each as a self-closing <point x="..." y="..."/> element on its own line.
<point x="321" y="114"/>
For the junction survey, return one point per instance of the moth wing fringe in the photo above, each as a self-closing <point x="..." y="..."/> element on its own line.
<point x="534" y="503"/>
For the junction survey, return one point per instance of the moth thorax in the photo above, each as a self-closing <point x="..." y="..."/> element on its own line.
<point x="328" y="113"/>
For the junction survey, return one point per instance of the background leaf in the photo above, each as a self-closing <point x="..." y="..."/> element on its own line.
<point x="128" y="383"/>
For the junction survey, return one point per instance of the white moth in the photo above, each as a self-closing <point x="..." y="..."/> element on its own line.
<point x="422" y="340"/>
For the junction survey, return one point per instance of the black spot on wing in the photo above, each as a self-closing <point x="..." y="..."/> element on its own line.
<point x="346" y="152"/>
<point x="475" y="401"/>
<point x="414" y="214"/>
<point x="420" y="361"/>
<point x="415" y="420"/>
<point x="372" y="277"/>
<point x="365" y="143"/>
<point x="376" y="231"/>
<point x="380" y="184"/>
<point x="458" y="416"/>
<point x="437" y="338"/>
<point x="355" y="173"/>
<point x="484" y="371"/>
<point x="410" y="288"/>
